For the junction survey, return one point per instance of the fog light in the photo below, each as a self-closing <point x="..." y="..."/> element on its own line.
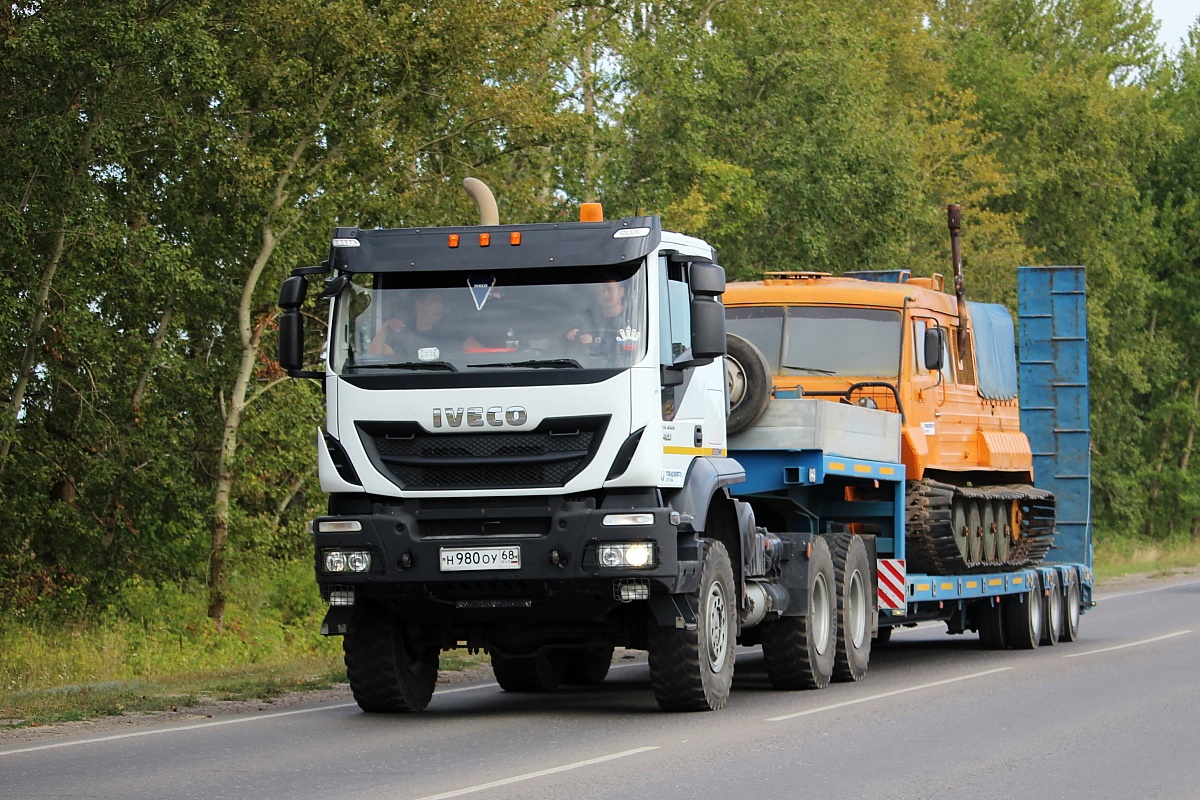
<point x="631" y="555"/>
<point x="628" y="591"/>
<point x="342" y="596"/>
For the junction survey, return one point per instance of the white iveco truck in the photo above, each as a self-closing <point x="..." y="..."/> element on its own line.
<point x="529" y="473"/>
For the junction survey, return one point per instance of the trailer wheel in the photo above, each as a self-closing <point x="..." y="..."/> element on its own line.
<point x="541" y="672"/>
<point x="1023" y="617"/>
<point x="1052" y="616"/>
<point x="799" y="652"/>
<point x="588" y="665"/>
<point x="1073" y="609"/>
<point x="693" y="670"/>
<point x="852" y="573"/>
<point x="387" y="672"/>
<point x="991" y="625"/>
<point x="748" y="381"/>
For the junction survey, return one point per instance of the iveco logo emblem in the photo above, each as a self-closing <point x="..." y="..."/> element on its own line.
<point x="479" y="416"/>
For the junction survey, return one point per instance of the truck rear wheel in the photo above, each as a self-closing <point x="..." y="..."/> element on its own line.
<point x="541" y="672"/>
<point x="799" y="652"/>
<point x="852" y="572"/>
<point x="1023" y="618"/>
<point x="693" y="670"/>
<point x="388" y="672"/>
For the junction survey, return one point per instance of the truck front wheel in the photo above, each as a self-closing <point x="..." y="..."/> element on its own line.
<point x="388" y="672"/>
<point x="692" y="670"/>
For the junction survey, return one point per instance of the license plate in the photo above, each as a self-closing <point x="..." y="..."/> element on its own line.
<point x="461" y="559"/>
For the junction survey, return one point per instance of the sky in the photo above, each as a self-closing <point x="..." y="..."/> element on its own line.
<point x="1174" y="18"/>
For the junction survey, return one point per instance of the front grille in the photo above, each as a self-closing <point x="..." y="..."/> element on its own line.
<point x="549" y="455"/>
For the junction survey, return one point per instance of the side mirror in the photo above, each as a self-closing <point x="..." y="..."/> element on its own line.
<point x="291" y="324"/>
<point x="293" y="292"/>
<point x="708" y="328"/>
<point x="706" y="279"/>
<point x="935" y="348"/>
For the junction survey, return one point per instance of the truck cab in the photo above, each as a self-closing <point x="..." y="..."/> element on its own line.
<point x="523" y="447"/>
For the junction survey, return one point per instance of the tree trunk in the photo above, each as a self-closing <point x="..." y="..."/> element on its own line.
<point x="229" y="435"/>
<point x="250" y="340"/>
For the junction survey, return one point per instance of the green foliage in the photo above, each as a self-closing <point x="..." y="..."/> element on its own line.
<point x="166" y="165"/>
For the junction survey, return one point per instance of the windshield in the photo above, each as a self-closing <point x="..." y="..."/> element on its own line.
<point x="503" y="320"/>
<point x="817" y="340"/>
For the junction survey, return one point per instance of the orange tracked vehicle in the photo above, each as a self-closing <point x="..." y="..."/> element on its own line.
<point x="905" y="344"/>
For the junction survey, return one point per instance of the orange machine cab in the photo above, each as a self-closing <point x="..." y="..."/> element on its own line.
<point x="826" y="335"/>
<point x="862" y="338"/>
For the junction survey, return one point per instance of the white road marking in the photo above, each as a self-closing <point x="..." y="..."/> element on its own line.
<point x="1101" y="596"/>
<point x="198" y="726"/>
<point x="887" y="694"/>
<point x="176" y="729"/>
<point x="528" y="776"/>
<point x="1127" y="644"/>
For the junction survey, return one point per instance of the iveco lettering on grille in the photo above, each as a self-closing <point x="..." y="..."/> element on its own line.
<point x="478" y="416"/>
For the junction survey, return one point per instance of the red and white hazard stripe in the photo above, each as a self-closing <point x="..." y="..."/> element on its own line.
<point x="891" y="583"/>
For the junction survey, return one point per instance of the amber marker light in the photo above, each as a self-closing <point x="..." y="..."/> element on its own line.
<point x="485" y="239"/>
<point x="514" y="238"/>
<point x="591" y="212"/>
<point x="454" y="240"/>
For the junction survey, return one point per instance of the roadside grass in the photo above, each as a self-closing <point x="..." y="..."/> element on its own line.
<point x="1120" y="557"/>
<point x="153" y="648"/>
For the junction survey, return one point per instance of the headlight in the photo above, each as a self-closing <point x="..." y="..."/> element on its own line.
<point x="626" y="555"/>
<point x="347" y="560"/>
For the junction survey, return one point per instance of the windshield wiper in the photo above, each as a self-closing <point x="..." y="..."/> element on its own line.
<point x="814" y="370"/>
<point x="431" y="366"/>
<point x="541" y="363"/>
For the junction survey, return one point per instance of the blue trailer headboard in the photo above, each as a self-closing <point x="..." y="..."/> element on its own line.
<point x="1053" y="367"/>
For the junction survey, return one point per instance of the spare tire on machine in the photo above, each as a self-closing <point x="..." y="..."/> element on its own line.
<point x="748" y="382"/>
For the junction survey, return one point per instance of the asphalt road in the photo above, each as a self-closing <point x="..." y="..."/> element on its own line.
<point x="1113" y="715"/>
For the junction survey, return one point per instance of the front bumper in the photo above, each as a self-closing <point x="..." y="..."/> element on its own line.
<point x="561" y="574"/>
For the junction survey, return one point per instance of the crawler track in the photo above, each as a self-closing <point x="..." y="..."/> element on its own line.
<point x="961" y="529"/>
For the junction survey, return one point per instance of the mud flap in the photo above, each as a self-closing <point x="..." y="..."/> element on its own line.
<point x="795" y="573"/>
<point x="337" y="620"/>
